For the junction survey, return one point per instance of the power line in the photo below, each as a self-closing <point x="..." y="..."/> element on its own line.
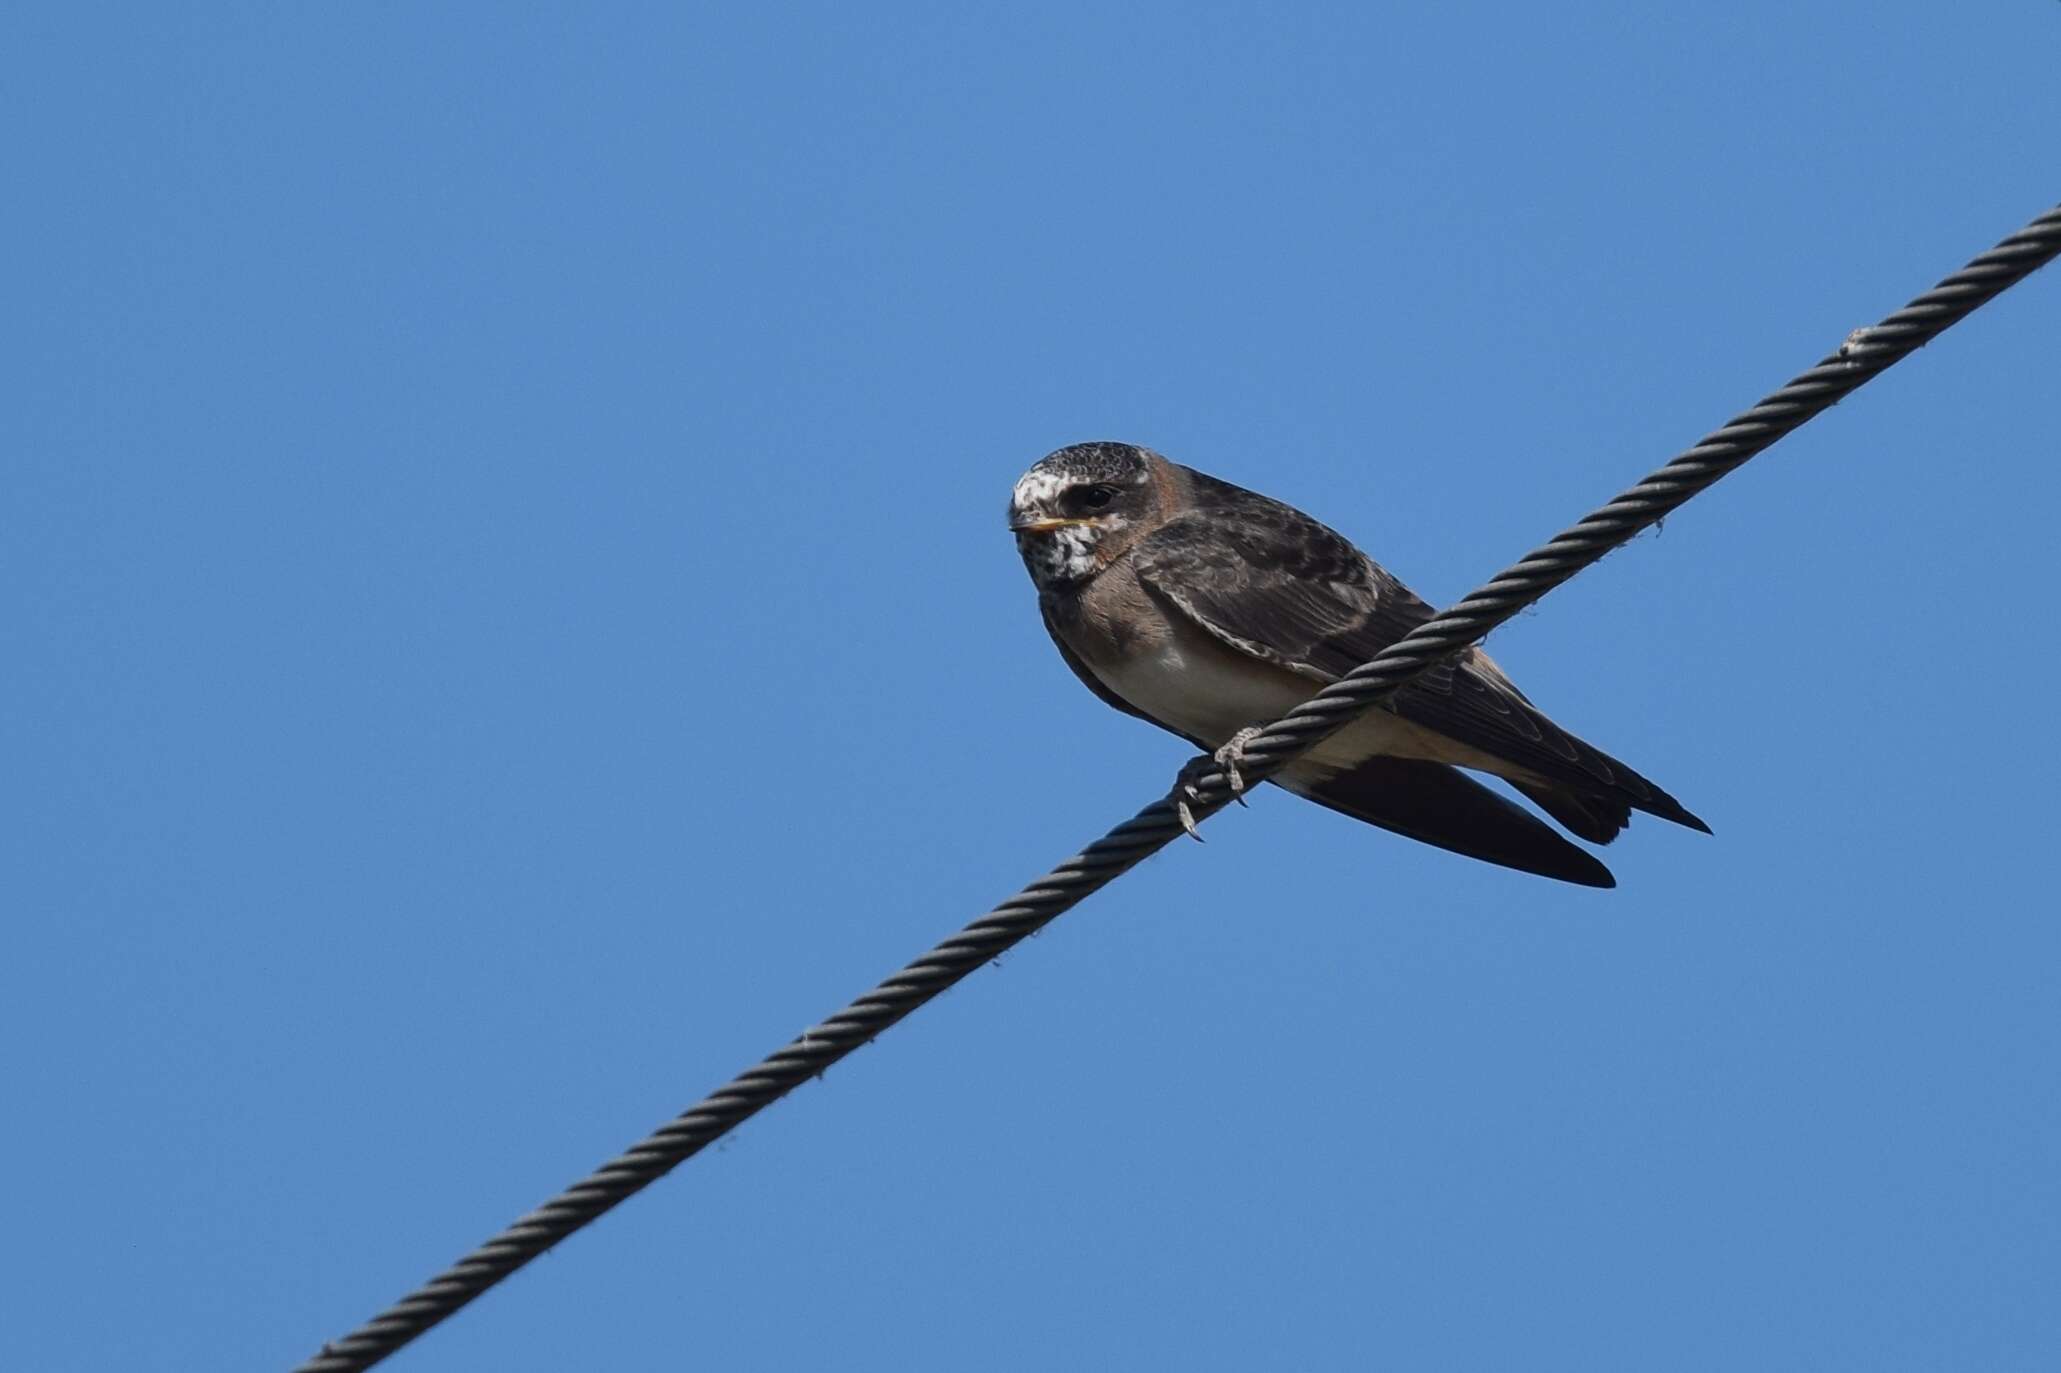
<point x="1865" y="353"/>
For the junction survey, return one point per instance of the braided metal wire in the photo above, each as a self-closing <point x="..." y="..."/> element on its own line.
<point x="1865" y="353"/>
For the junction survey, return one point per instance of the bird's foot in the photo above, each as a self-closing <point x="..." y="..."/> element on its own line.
<point x="1231" y="755"/>
<point x="1226" y="760"/>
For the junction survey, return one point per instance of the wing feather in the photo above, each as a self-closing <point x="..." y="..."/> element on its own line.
<point x="1271" y="582"/>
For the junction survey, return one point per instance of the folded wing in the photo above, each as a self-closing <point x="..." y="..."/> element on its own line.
<point x="1269" y="581"/>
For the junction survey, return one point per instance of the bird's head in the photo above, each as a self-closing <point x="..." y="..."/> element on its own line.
<point x="1080" y="509"/>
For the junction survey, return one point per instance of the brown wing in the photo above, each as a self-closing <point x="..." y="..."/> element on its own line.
<point x="1270" y="581"/>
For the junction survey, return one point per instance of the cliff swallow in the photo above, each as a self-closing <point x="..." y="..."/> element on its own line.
<point x="1207" y="609"/>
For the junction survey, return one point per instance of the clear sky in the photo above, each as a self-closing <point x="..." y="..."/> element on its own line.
<point x="507" y="619"/>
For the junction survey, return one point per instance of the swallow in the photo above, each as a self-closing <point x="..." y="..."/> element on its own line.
<point x="1208" y="609"/>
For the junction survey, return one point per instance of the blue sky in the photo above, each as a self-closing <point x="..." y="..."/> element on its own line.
<point x="508" y="620"/>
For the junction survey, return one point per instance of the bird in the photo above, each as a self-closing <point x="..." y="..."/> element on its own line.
<point x="1208" y="610"/>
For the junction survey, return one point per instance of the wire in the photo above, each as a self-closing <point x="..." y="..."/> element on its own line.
<point x="1865" y="353"/>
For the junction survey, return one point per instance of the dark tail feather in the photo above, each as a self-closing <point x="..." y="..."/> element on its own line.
<point x="1438" y="805"/>
<point x="1613" y="787"/>
<point x="1598" y="819"/>
<point x="1600" y="816"/>
<point x="1661" y="804"/>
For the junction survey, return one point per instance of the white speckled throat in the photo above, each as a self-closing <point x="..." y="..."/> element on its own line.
<point x="1061" y="556"/>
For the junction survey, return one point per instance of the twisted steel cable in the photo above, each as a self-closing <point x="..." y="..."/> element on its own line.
<point x="1865" y="353"/>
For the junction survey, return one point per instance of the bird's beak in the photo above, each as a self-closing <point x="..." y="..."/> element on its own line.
<point x="1043" y="526"/>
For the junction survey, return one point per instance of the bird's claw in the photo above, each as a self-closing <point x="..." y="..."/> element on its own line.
<point x="1185" y="791"/>
<point x="1226" y="760"/>
<point x="1231" y="755"/>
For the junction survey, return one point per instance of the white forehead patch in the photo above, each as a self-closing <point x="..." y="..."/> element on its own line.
<point x="1037" y="487"/>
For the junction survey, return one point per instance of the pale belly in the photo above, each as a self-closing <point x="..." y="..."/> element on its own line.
<point x="1204" y="689"/>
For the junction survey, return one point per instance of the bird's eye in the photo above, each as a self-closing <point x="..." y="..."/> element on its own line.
<point x="1095" y="497"/>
